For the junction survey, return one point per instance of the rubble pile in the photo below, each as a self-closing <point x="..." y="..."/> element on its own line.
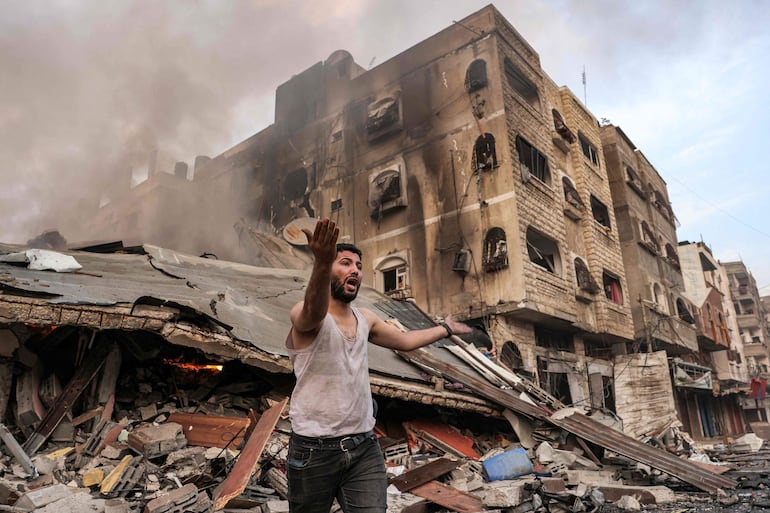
<point x="123" y="421"/>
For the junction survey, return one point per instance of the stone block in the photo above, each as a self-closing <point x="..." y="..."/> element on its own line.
<point x="275" y="507"/>
<point x="153" y="441"/>
<point x="93" y="477"/>
<point x="35" y="499"/>
<point x="503" y="494"/>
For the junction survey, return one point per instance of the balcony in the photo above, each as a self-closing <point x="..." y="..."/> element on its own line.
<point x="747" y="321"/>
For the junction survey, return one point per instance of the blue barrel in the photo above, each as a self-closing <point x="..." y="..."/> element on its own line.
<point x="508" y="465"/>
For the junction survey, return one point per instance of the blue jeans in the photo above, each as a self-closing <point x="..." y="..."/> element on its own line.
<point x="352" y="469"/>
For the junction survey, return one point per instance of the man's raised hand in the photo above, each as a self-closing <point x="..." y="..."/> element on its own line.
<point x="323" y="240"/>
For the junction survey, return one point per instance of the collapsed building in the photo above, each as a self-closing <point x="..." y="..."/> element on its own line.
<point x="172" y="349"/>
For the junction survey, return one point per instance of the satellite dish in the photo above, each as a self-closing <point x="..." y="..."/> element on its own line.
<point x="293" y="233"/>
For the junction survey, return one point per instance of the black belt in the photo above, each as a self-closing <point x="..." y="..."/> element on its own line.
<point x="345" y="443"/>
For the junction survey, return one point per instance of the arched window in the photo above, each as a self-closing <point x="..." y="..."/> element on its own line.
<point x="571" y="194"/>
<point x="584" y="278"/>
<point x="495" y="250"/>
<point x="671" y="255"/>
<point x="484" y="152"/>
<point x="393" y="277"/>
<point x="510" y="356"/>
<point x="648" y="237"/>
<point x="659" y="298"/>
<point x="543" y="251"/>
<point x="684" y="312"/>
<point x="561" y="126"/>
<point x="476" y="76"/>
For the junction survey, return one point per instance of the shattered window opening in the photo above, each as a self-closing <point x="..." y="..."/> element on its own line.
<point x="476" y="76"/>
<point x="484" y="155"/>
<point x="612" y="290"/>
<point x="634" y="181"/>
<point x="589" y="150"/>
<point x="543" y="251"/>
<point x="585" y="279"/>
<point x="383" y="117"/>
<point x="571" y="194"/>
<point x="394" y="279"/>
<point x="671" y="255"/>
<point x="385" y="192"/>
<point x="521" y="84"/>
<point x="649" y="238"/>
<point x="600" y="212"/>
<point x="495" y="256"/>
<point x="561" y="127"/>
<point x="533" y="163"/>
<point x="336" y="205"/>
<point x="510" y="356"/>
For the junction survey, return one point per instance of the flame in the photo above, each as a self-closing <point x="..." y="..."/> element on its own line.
<point x="194" y="366"/>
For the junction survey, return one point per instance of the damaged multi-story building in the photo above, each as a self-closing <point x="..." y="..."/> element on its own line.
<point x="473" y="185"/>
<point x="753" y="330"/>
<point x="711" y="382"/>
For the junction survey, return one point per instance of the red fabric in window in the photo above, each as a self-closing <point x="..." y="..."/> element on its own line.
<point x="758" y="389"/>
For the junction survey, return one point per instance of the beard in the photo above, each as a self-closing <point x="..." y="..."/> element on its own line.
<point x="339" y="293"/>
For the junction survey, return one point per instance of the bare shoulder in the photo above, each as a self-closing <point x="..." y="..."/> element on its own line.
<point x="371" y="317"/>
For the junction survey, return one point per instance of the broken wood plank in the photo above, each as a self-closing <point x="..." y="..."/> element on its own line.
<point x="83" y="376"/>
<point x="583" y="445"/>
<point x="423" y="474"/>
<point x="448" y="497"/>
<point x="211" y="430"/>
<point x="249" y="458"/>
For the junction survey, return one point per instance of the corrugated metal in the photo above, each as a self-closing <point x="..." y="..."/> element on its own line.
<point x="598" y="433"/>
<point x="582" y="426"/>
<point x="252" y="303"/>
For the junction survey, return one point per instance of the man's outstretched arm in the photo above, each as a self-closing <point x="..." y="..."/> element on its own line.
<point x="307" y="316"/>
<point x="383" y="334"/>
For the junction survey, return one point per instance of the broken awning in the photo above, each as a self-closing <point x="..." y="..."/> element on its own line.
<point x="690" y="375"/>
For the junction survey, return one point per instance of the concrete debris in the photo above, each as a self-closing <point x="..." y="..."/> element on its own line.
<point x="171" y="433"/>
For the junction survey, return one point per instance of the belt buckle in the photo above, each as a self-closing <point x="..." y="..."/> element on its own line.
<point x="347" y="439"/>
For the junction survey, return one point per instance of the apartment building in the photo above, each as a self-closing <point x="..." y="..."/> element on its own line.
<point x="753" y="329"/>
<point x="710" y="383"/>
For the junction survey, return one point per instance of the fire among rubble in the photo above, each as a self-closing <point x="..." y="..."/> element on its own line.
<point x="194" y="367"/>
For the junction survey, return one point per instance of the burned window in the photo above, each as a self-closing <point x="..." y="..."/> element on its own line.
<point x="561" y="127"/>
<point x="633" y="181"/>
<point x="386" y="191"/>
<point x="671" y="255"/>
<point x="510" y="356"/>
<point x="295" y="185"/>
<point x="383" y="117"/>
<point x="495" y="250"/>
<point x="521" y="84"/>
<point x="532" y="162"/>
<point x="476" y="76"/>
<point x="600" y="212"/>
<point x="612" y="289"/>
<point x="649" y="239"/>
<point x="571" y="194"/>
<point x="661" y="204"/>
<point x="553" y="339"/>
<point x="589" y="150"/>
<point x="585" y="279"/>
<point x="543" y="251"/>
<point x="484" y="154"/>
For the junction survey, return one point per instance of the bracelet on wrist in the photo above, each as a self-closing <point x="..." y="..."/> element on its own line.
<point x="449" y="331"/>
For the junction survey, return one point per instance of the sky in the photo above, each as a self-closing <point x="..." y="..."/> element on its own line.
<point x="86" y="88"/>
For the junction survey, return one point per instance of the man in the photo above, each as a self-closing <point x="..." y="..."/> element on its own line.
<point x="332" y="450"/>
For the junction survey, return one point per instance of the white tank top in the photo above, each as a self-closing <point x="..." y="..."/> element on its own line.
<point x="332" y="396"/>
